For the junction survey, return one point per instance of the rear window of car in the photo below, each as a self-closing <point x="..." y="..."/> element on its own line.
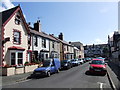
<point x="97" y="62"/>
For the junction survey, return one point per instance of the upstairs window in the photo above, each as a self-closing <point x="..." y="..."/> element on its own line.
<point x="53" y="45"/>
<point x="35" y="41"/>
<point x="16" y="37"/>
<point x="67" y="48"/>
<point x="29" y="40"/>
<point x="43" y="42"/>
<point x="17" y="20"/>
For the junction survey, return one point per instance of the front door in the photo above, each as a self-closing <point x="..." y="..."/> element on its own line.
<point x="29" y="56"/>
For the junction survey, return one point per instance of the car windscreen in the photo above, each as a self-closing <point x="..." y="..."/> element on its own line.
<point x="46" y="63"/>
<point x="97" y="62"/>
<point x="73" y="60"/>
<point x="64" y="61"/>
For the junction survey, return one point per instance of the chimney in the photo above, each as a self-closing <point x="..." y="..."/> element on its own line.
<point x="69" y="42"/>
<point x="37" y="26"/>
<point x="60" y="36"/>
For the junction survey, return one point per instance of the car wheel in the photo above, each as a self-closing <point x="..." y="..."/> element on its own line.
<point x="104" y="74"/>
<point x="48" y="73"/>
<point x="58" y="71"/>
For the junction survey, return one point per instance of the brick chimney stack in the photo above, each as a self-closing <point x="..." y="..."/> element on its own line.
<point x="37" y="26"/>
<point x="60" y="36"/>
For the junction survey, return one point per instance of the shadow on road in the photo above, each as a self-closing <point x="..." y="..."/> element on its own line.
<point x="92" y="74"/>
<point x="33" y="76"/>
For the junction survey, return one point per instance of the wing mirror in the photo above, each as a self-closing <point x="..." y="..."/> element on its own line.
<point x="105" y="63"/>
<point x="89" y="62"/>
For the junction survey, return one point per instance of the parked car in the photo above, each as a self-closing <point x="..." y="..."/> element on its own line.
<point x="88" y="59"/>
<point x="84" y="60"/>
<point x="66" y="64"/>
<point x="49" y="66"/>
<point x="100" y="58"/>
<point x="98" y="66"/>
<point x="80" y="60"/>
<point x="74" y="62"/>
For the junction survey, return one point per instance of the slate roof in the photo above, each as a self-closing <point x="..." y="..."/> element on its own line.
<point x="64" y="42"/>
<point x="42" y="34"/>
<point x="7" y="13"/>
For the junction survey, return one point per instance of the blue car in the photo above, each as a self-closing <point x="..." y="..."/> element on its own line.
<point x="49" y="66"/>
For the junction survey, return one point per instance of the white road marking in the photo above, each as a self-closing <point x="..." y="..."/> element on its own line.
<point x="101" y="85"/>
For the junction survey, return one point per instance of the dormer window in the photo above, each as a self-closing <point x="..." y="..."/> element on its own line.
<point x="17" y="20"/>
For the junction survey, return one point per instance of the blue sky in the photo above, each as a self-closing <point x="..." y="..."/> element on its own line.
<point x="87" y="22"/>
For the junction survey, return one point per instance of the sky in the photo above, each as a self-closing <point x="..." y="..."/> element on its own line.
<point x="87" y="22"/>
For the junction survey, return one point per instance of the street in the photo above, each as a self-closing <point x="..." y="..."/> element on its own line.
<point x="75" y="77"/>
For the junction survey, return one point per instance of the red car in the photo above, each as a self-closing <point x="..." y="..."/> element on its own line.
<point x="98" y="66"/>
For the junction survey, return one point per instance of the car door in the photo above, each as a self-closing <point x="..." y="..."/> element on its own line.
<point x="52" y="67"/>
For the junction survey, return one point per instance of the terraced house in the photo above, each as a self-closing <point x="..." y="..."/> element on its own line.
<point x="23" y="44"/>
<point x="43" y="45"/>
<point x="66" y="49"/>
<point x="15" y="33"/>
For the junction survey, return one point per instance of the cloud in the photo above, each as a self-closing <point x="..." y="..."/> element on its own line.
<point x="7" y="4"/>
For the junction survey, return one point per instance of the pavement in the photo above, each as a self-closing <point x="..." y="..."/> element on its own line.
<point x="114" y="73"/>
<point x="8" y="80"/>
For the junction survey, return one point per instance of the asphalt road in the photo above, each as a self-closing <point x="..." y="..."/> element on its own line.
<point x="75" y="77"/>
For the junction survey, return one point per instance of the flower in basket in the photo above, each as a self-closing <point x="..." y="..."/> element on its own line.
<point x="6" y="66"/>
<point x="13" y="65"/>
<point x="26" y="64"/>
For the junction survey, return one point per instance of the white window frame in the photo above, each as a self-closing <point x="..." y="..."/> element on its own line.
<point x="16" y="56"/>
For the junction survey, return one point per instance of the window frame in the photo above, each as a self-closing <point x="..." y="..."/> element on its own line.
<point x="16" y="56"/>
<point x="35" y="40"/>
<point x="17" y="20"/>
<point x="43" y="42"/>
<point x="18" y="43"/>
<point x="29" y="39"/>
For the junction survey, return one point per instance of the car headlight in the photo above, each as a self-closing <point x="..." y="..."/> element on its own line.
<point x="91" y="67"/>
<point x="66" y="64"/>
<point x="104" y="68"/>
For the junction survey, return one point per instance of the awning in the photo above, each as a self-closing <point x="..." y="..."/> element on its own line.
<point x="16" y="48"/>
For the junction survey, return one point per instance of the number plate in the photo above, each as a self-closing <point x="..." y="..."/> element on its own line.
<point x="97" y="70"/>
<point x="38" y="73"/>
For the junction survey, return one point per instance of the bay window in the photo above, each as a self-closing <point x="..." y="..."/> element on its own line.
<point x="16" y="57"/>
